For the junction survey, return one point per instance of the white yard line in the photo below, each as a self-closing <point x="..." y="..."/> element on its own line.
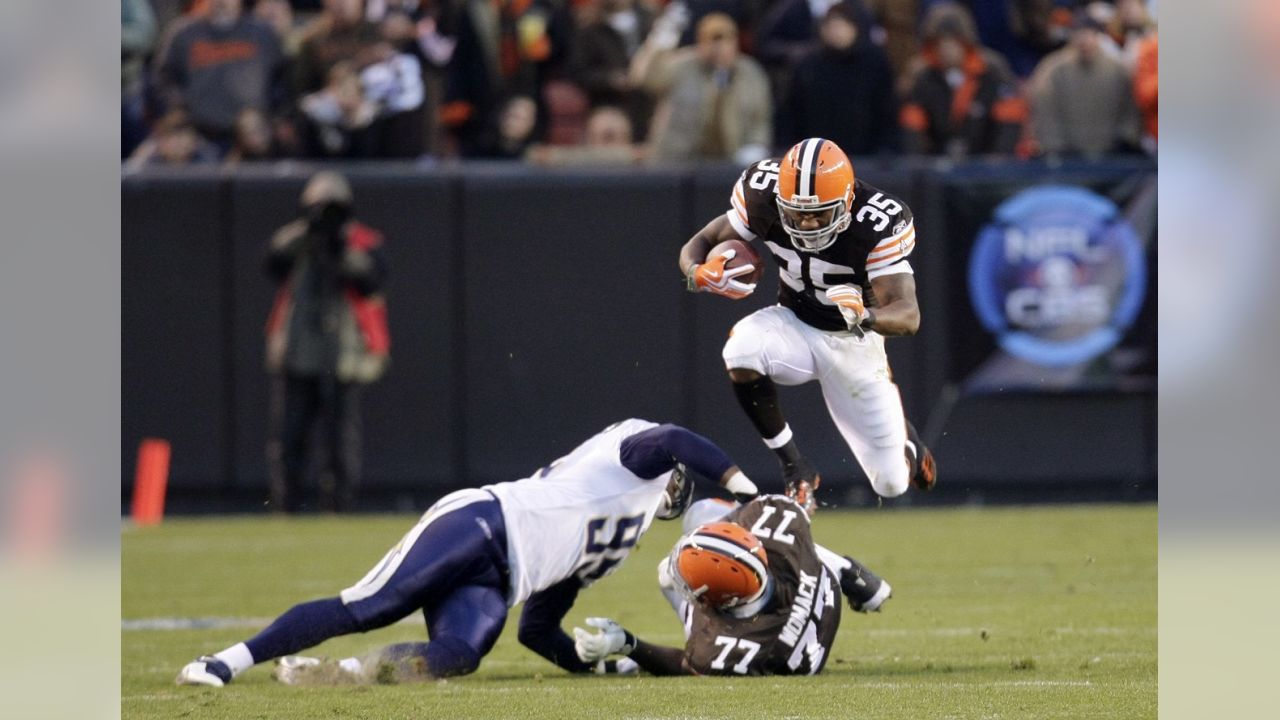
<point x="965" y="631"/>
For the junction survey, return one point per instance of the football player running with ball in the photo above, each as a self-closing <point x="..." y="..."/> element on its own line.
<point x="756" y="594"/>
<point x="478" y="552"/>
<point x="841" y="247"/>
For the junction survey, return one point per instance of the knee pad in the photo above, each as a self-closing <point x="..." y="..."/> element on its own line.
<point x="745" y="349"/>
<point x="450" y="657"/>
<point x="891" y="481"/>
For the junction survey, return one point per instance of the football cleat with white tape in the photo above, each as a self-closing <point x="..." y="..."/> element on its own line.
<point x="206" y="670"/>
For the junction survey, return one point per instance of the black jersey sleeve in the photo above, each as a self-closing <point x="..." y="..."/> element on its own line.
<point x="752" y="211"/>
<point x="889" y="230"/>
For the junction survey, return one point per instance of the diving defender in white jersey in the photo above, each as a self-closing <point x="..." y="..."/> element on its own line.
<point x="478" y="552"/>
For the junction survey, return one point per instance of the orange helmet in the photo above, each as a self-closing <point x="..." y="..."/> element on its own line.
<point x="815" y="182"/>
<point x="720" y="565"/>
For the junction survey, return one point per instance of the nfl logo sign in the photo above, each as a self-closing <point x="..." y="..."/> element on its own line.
<point x="1058" y="276"/>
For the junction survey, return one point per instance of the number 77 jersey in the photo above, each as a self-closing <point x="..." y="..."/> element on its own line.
<point x="793" y="633"/>
<point x="878" y="240"/>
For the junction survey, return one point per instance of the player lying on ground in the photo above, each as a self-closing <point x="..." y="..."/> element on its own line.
<point x="841" y="247"/>
<point x="477" y="552"/>
<point x="757" y="596"/>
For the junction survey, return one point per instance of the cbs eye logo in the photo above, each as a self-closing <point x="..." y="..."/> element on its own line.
<point x="1058" y="276"/>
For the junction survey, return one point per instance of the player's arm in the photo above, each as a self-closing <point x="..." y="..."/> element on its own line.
<point x="708" y="274"/>
<point x="650" y="453"/>
<point x="540" y="629"/>
<point x="715" y="232"/>
<point x="897" y="312"/>
<point x="612" y="639"/>
<point x="660" y="660"/>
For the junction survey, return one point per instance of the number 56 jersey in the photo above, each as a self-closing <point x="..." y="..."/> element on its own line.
<point x="581" y="515"/>
<point x="793" y="634"/>
<point x="880" y="236"/>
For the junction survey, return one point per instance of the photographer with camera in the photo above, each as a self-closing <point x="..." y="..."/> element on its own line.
<point x="326" y="336"/>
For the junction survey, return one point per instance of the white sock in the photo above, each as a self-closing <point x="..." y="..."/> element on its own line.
<point x="237" y="657"/>
<point x="780" y="439"/>
<point x="351" y="665"/>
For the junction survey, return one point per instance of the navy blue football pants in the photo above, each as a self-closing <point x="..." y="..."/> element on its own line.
<point x="452" y="565"/>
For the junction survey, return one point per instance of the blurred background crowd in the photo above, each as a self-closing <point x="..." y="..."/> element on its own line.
<point x="631" y="81"/>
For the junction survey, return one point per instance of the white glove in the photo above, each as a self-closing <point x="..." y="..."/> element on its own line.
<point x="621" y="666"/>
<point x="594" y="647"/>
<point x="711" y="276"/>
<point x="848" y="298"/>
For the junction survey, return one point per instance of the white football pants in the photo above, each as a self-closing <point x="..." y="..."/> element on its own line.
<point x="854" y="374"/>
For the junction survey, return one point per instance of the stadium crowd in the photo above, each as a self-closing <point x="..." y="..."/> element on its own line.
<point x="628" y="81"/>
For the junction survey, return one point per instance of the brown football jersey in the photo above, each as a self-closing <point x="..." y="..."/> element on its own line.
<point x="792" y="635"/>
<point x="880" y="236"/>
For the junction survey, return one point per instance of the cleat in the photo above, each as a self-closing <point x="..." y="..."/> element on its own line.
<point x="206" y="670"/>
<point x="927" y="474"/>
<point x="865" y="590"/>
<point x="801" y="480"/>
<point x="290" y="667"/>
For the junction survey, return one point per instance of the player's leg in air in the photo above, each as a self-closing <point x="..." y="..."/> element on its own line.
<point x="771" y="347"/>
<point x="765" y="348"/>
<point x="866" y="407"/>
<point x="452" y="565"/>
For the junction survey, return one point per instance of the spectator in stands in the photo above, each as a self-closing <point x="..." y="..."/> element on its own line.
<point x="137" y="36"/>
<point x="338" y="118"/>
<point x="962" y="98"/>
<point x="1146" y="90"/>
<point x="512" y="132"/>
<point x="505" y="49"/>
<point x="1023" y="31"/>
<point x="254" y="139"/>
<point x="173" y="141"/>
<point x="843" y="89"/>
<point x="220" y="64"/>
<point x="279" y="15"/>
<point x="393" y="82"/>
<point x="1082" y="100"/>
<point x="714" y="102"/>
<point x="1127" y="25"/>
<point x="899" y="20"/>
<point x="338" y="34"/>
<point x="745" y="13"/>
<point x="326" y="338"/>
<point x="788" y="33"/>
<point x="609" y="140"/>
<point x="609" y="32"/>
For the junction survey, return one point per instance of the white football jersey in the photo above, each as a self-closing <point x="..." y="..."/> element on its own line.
<point x="581" y="515"/>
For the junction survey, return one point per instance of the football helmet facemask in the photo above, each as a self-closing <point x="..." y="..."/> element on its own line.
<point x="720" y="565"/>
<point x="677" y="496"/>
<point x="815" y="183"/>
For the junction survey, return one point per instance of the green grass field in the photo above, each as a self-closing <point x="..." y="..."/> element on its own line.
<point x="997" y="613"/>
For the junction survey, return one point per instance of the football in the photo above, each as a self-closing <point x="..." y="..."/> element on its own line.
<point x="746" y="255"/>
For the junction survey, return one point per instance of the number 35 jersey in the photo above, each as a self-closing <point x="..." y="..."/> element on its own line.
<point x="879" y="238"/>
<point x="794" y="632"/>
<point x="581" y="515"/>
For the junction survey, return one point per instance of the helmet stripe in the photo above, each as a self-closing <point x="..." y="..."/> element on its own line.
<point x="809" y="165"/>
